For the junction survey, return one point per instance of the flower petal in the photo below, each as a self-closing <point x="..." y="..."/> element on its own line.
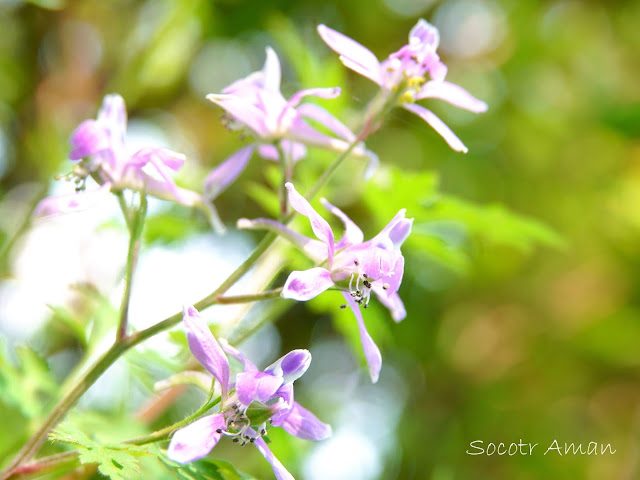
<point x="352" y="233"/>
<point x="238" y="355"/>
<point x="452" y="93"/>
<point x="256" y="385"/>
<point x="322" y="116"/>
<point x="314" y="249"/>
<point x="72" y="202"/>
<point x="205" y="348"/>
<point x="303" y="424"/>
<point x="243" y="111"/>
<point x="392" y="302"/>
<point x="307" y="284"/>
<point x="371" y="350"/>
<point x="295" y="100"/>
<point x="318" y="224"/>
<point x="225" y="173"/>
<point x="424" y="33"/>
<point x="295" y="150"/>
<point x="271" y="71"/>
<point x="280" y="472"/>
<point x="113" y="115"/>
<point x="196" y="440"/>
<point x="292" y="366"/>
<point x="356" y="55"/>
<point x="88" y="138"/>
<point x="438" y="125"/>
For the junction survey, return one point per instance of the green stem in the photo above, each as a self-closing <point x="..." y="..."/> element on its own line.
<point x="121" y="346"/>
<point x="52" y="463"/>
<point x="253" y="297"/>
<point x="285" y="162"/>
<point x="164" y="433"/>
<point x="135" y="238"/>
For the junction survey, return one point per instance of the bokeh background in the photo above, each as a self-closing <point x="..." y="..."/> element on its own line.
<point x="522" y="273"/>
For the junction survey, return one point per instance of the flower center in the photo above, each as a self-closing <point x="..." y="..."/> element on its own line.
<point x="77" y="175"/>
<point x="238" y="426"/>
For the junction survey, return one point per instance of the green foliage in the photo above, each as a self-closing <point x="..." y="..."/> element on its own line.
<point x="27" y="383"/>
<point x="118" y="462"/>
<point x="205" y="469"/>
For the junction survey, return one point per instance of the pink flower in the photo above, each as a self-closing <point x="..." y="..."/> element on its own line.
<point x="403" y="74"/>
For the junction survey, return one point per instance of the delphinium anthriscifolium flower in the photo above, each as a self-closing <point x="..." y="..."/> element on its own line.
<point x="376" y="265"/>
<point x="256" y="103"/>
<point x="248" y="402"/>
<point x="402" y="76"/>
<point x="99" y="151"/>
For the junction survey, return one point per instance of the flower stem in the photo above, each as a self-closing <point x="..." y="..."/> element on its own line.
<point x="135" y="238"/>
<point x="254" y="297"/>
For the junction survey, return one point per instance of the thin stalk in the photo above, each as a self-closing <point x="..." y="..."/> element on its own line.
<point x="135" y="239"/>
<point x="253" y="297"/>
<point x="50" y="464"/>
<point x="121" y="346"/>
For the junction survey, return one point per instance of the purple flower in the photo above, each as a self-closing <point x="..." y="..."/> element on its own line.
<point x="376" y="265"/>
<point x="247" y="402"/>
<point x="256" y="103"/>
<point x="99" y="150"/>
<point x="402" y="74"/>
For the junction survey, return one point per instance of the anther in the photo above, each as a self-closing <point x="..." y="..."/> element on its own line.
<point x="235" y="440"/>
<point x="342" y="307"/>
<point x="356" y="263"/>
<point x="385" y="286"/>
<point x="219" y="430"/>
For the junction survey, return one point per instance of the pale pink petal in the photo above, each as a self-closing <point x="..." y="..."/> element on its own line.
<point x="371" y="350"/>
<point x="356" y="54"/>
<point x="318" y="224"/>
<point x="280" y="472"/>
<point x="88" y="138"/>
<point x="225" y="173"/>
<point x="438" y="125"/>
<point x="255" y="385"/>
<point x="301" y="423"/>
<point x="72" y="202"/>
<point x="205" y="348"/>
<point x="453" y="94"/>
<point x="271" y="71"/>
<point x="196" y="440"/>
<point x="243" y="111"/>
<point x="304" y="285"/>
<point x="322" y="116"/>
<point x="314" y="249"/>
<point x="392" y="302"/>
<point x="292" y="366"/>
<point x="425" y="33"/>
<point x="352" y="233"/>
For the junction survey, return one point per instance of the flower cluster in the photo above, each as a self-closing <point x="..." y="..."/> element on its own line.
<point x="248" y="402"/>
<point x="281" y="129"/>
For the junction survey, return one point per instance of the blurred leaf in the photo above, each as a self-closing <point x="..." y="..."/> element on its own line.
<point x="206" y="469"/>
<point x="26" y="384"/>
<point x="168" y="227"/>
<point x="493" y="223"/>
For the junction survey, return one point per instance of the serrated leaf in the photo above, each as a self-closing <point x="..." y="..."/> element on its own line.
<point x="112" y="463"/>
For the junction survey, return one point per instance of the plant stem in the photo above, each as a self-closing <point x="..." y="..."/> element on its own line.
<point x="253" y="297"/>
<point x="124" y="344"/>
<point x="135" y="238"/>
<point x="52" y="463"/>
<point x="285" y="160"/>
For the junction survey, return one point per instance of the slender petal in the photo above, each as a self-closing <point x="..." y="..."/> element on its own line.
<point x="352" y="51"/>
<point x="297" y="97"/>
<point x="292" y="366"/>
<point x="371" y="350"/>
<point x="318" y="224"/>
<point x="256" y="385"/>
<point x="322" y="116"/>
<point x="453" y="94"/>
<point x="205" y="348"/>
<point x="307" y="284"/>
<point x="278" y="469"/>
<point x="301" y="423"/>
<point x="352" y="233"/>
<point x="392" y="302"/>
<point x="196" y="440"/>
<point x="113" y="114"/>
<point x="295" y="150"/>
<point x="72" y="202"/>
<point x="225" y="173"/>
<point x="315" y="249"/>
<point x="238" y="355"/>
<point x="271" y="71"/>
<point x="438" y="125"/>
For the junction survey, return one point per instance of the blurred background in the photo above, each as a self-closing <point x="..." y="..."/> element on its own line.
<point x="521" y="284"/>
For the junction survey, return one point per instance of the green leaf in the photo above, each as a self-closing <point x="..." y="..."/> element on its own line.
<point x="26" y="384"/>
<point x="206" y="469"/>
<point x="118" y="462"/>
